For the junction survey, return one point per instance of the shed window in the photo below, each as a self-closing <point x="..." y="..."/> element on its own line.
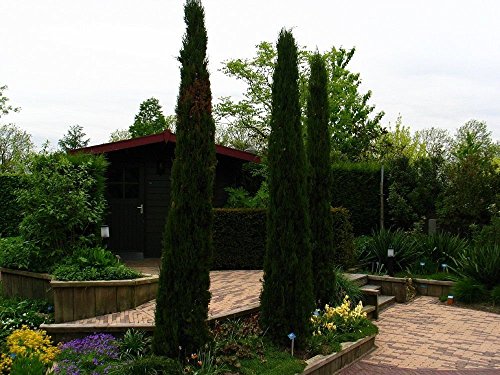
<point x="123" y="183"/>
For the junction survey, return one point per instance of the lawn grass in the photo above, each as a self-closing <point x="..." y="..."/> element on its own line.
<point x="277" y="362"/>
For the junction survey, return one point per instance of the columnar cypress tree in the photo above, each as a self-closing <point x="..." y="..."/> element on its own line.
<point x="287" y="297"/>
<point x="183" y="295"/>
<point x="320" y="180"/>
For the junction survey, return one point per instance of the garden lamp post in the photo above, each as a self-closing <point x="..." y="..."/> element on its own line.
<point x="390" y="261"/>
<point x="105" y="234"/>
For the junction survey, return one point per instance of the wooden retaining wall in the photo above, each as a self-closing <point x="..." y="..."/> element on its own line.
<point x="331" y="364"/>
<point x="74" y="300"/>
<point x="396" y="286"/>
<point x="26" y="284"/>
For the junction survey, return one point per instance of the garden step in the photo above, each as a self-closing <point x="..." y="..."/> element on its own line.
<point x="385" y="301"/>
<point x="371" y="289"/>
<point x="358" y="278"/>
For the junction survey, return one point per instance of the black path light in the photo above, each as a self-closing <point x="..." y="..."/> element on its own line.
<point x="390" y="260"/>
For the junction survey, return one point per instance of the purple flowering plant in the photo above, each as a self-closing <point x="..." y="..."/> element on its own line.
<point x="91" y="355"/>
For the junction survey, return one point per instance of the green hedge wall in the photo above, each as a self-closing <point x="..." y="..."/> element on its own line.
<point x="240" y="238"/>
<point x="11" y="215"/>
<point x="356" y="186"/>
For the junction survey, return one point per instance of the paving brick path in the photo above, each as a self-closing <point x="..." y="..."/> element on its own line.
<point x="231" y="290"/>
<point x="427" y="337"/>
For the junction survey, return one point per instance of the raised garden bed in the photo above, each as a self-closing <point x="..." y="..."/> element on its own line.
<point x="330" y="364"/>
<point x="75" y="300"/>
<point x="26" y="284"/>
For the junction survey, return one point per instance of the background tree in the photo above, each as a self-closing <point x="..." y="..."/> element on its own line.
<point x="246" y="123"/>
<point x="287" y="297"/>
<point x="183" y="295"/>
<point x="15" y="144"/>
<point x="119" y="135"/>
<point x="471" y="193"/>
<point x="320" y="180"/>
<point x="149" y="120"/>
<point x="73" y="139"/>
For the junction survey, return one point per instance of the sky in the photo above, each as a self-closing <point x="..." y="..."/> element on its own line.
<point x="92" y="62"/>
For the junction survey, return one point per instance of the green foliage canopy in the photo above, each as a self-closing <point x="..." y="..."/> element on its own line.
<point x="149" y="120"/>
<point x="73" y="139"/>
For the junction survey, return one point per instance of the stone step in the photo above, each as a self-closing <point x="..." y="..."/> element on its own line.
<point x="385" y="301"/>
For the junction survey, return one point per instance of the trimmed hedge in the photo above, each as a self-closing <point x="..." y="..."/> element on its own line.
<point x="11" y="215"/>
<point x="240" y="238"/>
<point x="356" y="186"/>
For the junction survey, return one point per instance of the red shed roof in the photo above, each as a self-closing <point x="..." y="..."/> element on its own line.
<point x="166" y="136"/>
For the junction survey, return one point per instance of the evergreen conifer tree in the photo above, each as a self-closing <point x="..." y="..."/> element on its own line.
<point x="287" y="299"/>
<point x="320" y="180"/>
<point x="183" y="295"/>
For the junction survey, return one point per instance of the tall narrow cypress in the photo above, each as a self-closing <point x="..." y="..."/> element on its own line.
<point x="183" y="295"/>
<point x="320" y="182"/>
<point x="287" y="297"/>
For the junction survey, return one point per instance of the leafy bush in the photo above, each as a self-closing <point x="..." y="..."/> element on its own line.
<point x="481" y="264"/>
<point x="489" y="235"/>
<point x="65" y="204"/>
<point x="16" y="313"/>
<point x="356" y="186"/>
<point x="469" y="291"/>
<point x="16" y="253"/>
<point x="374" y="249"/>
<point x="11" y="215"/>
<point x="93" y="264"/>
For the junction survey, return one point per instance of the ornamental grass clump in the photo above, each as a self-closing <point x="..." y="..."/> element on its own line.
<point x="25" y="345"/>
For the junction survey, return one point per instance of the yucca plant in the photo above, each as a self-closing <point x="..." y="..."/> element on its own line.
<point x="374" y="249"/>
<point x="469" y="291"/>
<point x="343" y="286"/>
<point x="481" y="264"/>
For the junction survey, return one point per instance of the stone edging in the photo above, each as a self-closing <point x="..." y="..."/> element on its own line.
<point x="330" y="364"/>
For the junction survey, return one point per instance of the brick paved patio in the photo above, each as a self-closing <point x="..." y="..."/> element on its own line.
<point x="427" y="337"/>
<point x="231" y="290"/>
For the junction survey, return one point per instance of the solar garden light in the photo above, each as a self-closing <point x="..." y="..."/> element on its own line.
<point x="292" y="337"/>
<point x="450" y="300"/>
<point x="422" y="265"/>
<point x="445" y="267"/>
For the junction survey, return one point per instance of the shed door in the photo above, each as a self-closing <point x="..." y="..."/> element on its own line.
<point x="125" y="189"/>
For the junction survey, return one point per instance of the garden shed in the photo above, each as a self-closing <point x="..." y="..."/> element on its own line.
<point x="138" y="188"/>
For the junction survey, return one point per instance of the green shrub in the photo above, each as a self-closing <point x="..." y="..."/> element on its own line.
<point x="19" y="254"/>
<point x="489" y="235"/>
<point x="15" y="312"/>
<point x="374" y="249"/>
<point x="151" y="365"/>
<point x="469" y="290"/>
<point x="11" y="215"/>
<point x="356" y="186"/>
<point x="495" y="295"/>
<point x="240" y="238"/>
<point x="64" y="205"/>
<point x="344" y="286"/>
<point x="93" y="264"/>
<point x="481" y="264"/>
<point x="440" y="248"/>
